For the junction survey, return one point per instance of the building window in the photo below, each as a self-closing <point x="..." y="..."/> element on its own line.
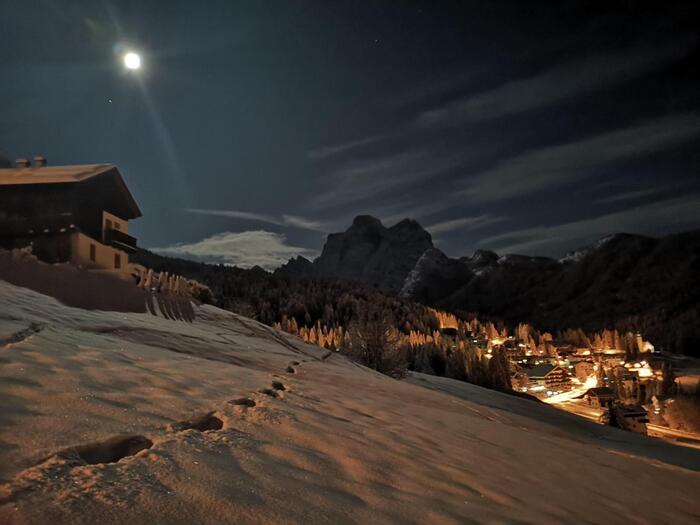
<point x="117" y="261"/>
<point x="108" y="224"/>
<point x="93" y="255"/>
<point x="116" y="226"/>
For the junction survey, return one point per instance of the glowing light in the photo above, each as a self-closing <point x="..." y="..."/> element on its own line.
<point x="591" y="382"/>
<point x="645" y="371"/>
<point x="132" y="60"/>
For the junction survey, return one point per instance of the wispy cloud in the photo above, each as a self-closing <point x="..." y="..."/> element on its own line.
<point x="562" y="164"/>
<point x="627" y="196"/>
<point x="681" y="212"/>
<point x="435" y="85"/>
<point x="464" y="223"/>
<point x="553" y="86"/>
<point x="360" y="180"/>
<point x="283" y="220"/>
<point x="235" y="214"/>
<point x="268" y="250"/>
<point x="337" y="149"/>
<point x="305" y="223"/>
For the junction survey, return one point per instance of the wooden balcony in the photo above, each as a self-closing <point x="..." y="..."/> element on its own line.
<point x="120" y="240"/>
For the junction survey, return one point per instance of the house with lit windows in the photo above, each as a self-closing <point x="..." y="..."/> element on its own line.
<point x="547" y="377"/>
<point x="77" y="214"/>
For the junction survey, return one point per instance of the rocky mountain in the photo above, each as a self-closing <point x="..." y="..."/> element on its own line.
<point x="299" y="267"/>
<point x="623" y="281"/>
<point x="628" y="282"/>
<point x="434" y="277"/>
<point x="368" y="252"/>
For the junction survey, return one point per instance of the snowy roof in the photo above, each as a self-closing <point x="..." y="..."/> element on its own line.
<point x="540" y="370"/>
<point x="52" y="174"/>
<point x="601" y="391"/>
<point x="26" y="176"/>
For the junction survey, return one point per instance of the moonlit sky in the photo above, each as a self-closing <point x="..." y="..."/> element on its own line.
<point x="252" y="129"/>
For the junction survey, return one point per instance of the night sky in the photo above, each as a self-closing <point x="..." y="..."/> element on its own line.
<point x="255" y="128"/>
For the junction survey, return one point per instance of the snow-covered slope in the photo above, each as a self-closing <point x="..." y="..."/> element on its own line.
<point x="108" y="417"/>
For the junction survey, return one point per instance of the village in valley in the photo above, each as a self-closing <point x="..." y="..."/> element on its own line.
<point x="613" y="378"/>
<point x="608" y="377"/>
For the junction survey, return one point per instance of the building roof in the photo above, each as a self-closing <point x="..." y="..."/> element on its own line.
<point x="600" y="391"/>
<point x="540" y="370"/>
<point x="52" y="174"/>
<point x="631" y="411"/>
<point x="20" y="176"/>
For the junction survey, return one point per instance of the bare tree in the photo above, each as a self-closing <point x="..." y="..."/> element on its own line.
<point x="373" y="342"/>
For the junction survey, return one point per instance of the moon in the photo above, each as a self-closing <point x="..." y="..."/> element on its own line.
<point x="132" y="60"/>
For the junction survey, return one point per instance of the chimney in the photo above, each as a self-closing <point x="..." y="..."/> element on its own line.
<point x="39" y="161"/>
<point x="22" y="163"/>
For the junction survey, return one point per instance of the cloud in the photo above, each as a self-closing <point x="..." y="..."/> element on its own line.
<point x="284" y="220"/>
<point x="673" y="214"/>
<point x="304" y="223"/>
<point x="234" y="214"/>
<point x="363" y="179"/>
<point x="469" y="223"/>
<point x="436" y="85"/>
<point x="331" y="151"/>
<point x="628" y="196"/>
<point x="245" y="249"/>
<point x="562" y="164"/>
<point x="553" y="86"/>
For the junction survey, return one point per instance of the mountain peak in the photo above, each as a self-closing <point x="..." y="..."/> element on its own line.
<point x="407" y="224"/>
<point x="370" y="253"/>
<point x="613" y="239"/>
<point x="484" y="256"/>
<point x="296" y="267"/>
<point x="366" y="221"/>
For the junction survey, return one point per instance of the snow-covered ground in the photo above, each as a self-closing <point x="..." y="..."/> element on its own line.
<point x="109" y="417"/>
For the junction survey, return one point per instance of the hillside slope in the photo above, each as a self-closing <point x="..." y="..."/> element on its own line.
<point x="128" y="418"/>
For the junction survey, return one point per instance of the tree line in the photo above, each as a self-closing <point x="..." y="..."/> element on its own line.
<point x="382" y="331"/>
